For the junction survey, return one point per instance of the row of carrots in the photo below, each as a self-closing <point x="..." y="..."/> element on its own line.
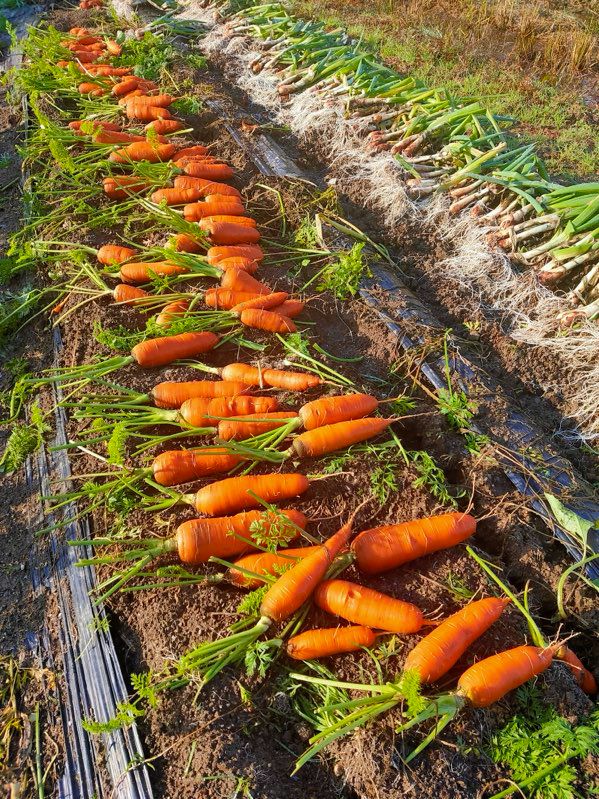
<point x="231" y="507"/>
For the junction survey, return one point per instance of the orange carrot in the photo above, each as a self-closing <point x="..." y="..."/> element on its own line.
<point x="125" y="86"/>
<point x="204" y="411"/>
<point x="140" y="272"/>
<point x="217" y="254"/>
<point x="178" y="466"/>
<point x="96" y="123"/>
<point x="113" y="48"/>
<point x="175" y="196"/>
<point x="143" y="151"/>
<point x="134" y="93"/>
<point x="492" y="678"/>
<point x="115" y="137"/>
<point x="252" y="425"/>
<point x="171" y="311"/>
<point x="186" y="152"/>
<point x="91" y="88"/>
<point x="205" y="171"/>
<point x="298" y="584"/>
<point x="119" y="187"/>
<point x="362" y="605"/>
<point x="323" y="440"/>
<point x="330" y="410"/>
<point x="230" y="233"/>
<point x="114" y="254"/>
<point x="382" y="548"/>
<point x="230" y="206"/>
<point x="233" y="493"/>
<point x="207" y="188"/>
<point x="435" y="654"/>
<point x="160" y="351"/>
<point x="585" y="679"/>
<point x="127" y="295"/>
<point x="267" y="320"/>
<point x="239" y="280"/>
<point x="172" y="395"/>
<point x="145" y="113"/>
<point x="330" y="641"/>
<point x="185" y="243"/>
<point x="207" y="222"/>
<point x="289" y="308"/>
<point x="156" y="101"/>
<point x="226" y="299"/>
<point x="164" y="126"/>
<point x="262" y="302"/>
<point x="242" y="264"/>
<point x="265" y="563"/>
<point x="276" y="378"/>
<point x="105" y="70"/>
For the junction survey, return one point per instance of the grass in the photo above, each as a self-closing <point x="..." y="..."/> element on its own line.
<point x="525" y="60"/>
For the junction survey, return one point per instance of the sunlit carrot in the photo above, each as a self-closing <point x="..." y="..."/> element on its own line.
<point x="225" y="298"/>
<point x="239" y="280"/>
<point x="382" y="548"/>
<point x="170" y="394"/>
<point x="322" y="643"/>
<point x="206" y="187"/>
<point x="289" y="308"/>
<point x="94" y="89"/>
<point x="145" y="113"/>
<point x="171" y="311"/>
<point x="194" y="149"/>
<point x="164" y="126"/>
<point x="185" y="243"/>
<point x="156" y="101"/>
<point x="175" y="467"/>
<point x="175" y="196"/>
<point x="142" y="272"/>
<point x="276" y="378"/>
<point x="113" y="47"/>
<point x="230" y="233"/>
<point x="585" y="679"/>
<point x="329" y="410"/>
<point x="270" y="321"/>
<point x="230" y="206"/>
<point x="96" y="124"/>
<point x="322" y="440"/>
<point x="119" y="187"/>
<point x="239" y="263"/>
<point x="252" y="425"/>
<point x="217" y="254"/>
<point x="143" y="151"/>
<point x="114" y="254"/>
<point x="217" y="172"/>
<point x="205" y="411"/>
<point x="207" y="222"/>
<point x="239" y="493"/>
<point x="365" y="606"/>
<point x="115" y="137"/>
<point x="265" y="564"/>
<point x="127" y="295"/>
<point x="160" y="351"/>
<point x="437" y="652"/>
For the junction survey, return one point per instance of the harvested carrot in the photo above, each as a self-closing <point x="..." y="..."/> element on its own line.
<point x="125" y="86"/>
<point x="160" y="351"/>
<point x="141" y="272"/>
<point x="368" y="607"/>
<point x="164" y="126"/>
<point x="270" y="321"/>
<point x="200" y="539"/>
<point x="252" y="425"/>
<point x="276" y="378"/>
<point x="156" y="101"/>
<point x="332" y="437"/>
<point x="145" y="113"/>
<point x="205" y="171"/>
<point x="208" y="221"/>
<point x="186" y="152"/>
<point x="115" y="137"/>
<point x="91" y="88"/>
<point x="264" y="563"/>
<point x="241" y="264"/>
<point x="261" y="302"/>
<point x="206" y="187"/>
<point x="329" y="641"/>
<point x="113" y="47"/>
<point x="134" y="93"/>
<point x="97" y="124"/>
<point x="185" y="243"/>
<point x="175" y="467"/>
<point x="119" y="187"/>
<point x="435" y="654"/>
<point x="230" y="233"/>
<point x="492" y="678"/>
<point x="127" y="295"/>
<point x="105" y="70"/>
<point x="233" y="493"/>
<point x="143" y="151"/>
<point x="225" y="298"/>
<point x="585" y="679"/>
<point x="171" y="311"/>
<point x="217" y="254"/>
<point x="239" y="280"/>
<point x="205" y="411"/>
<point x="330" y="410"/>
<point x="114" y="254"/>
<point x="382" y="548"/>
<point x="85" y="57"/>
<point x="172" y="395"/>
<point x="175" y="196"/>
<point x="290" y="308"/>
<point x="229" y="206"/>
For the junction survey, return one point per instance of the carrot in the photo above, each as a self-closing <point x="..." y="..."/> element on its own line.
<point x="239" y="280"/>
<point x="185" y="243"/>
<point x="208" y="171"/>
<point x="160" y="351"/>
<point x="297" y="584"/>
<point x="276" y="378"/>
<point x="85" y="57"/>
<point x="382" y="548"/>
<point x="171" y="311"/>
<point x="224" y="298"/>
<point x="126" y="295"/>
<point x="362" y="605"/>
<point x="435" y="654"/>
<point x="175" y="196"/>
<point x="270" y="321"/>
<point x="230" y="233"/>
<point x="330" y="410"/>
<point x="115" y="137"/>
<point x="134" y="93"/>
<point x="241" y="264"/>
<point x="105" y="70"/>
<point x="140" y="272"/>
<point x="172" y="395"/>
<point x="323" y="440"/>
<point x="97" y="124"/>
<point x="261" y="302"/>
<point x="290" y="308"/>
<point x="198" y="540"/>
<point x="145" y="113"/>
<point x="208" y="221"/>
<point x="330" y="641"/>
<point x="113" y="48"/>
<point x="252" y="425"/>
<point x="119" y="187"/>
<point x="207" y="187"/>
<point x="143" y="151"/>
<point x="492" y="678"/>
<point x="175" y="467"/>
<point x="217" y="254"/>
<point x="264" y="563"/>
<point x="233" y="494"/>
<point x="195" y="149"/>
<point x="114" y="254"/>
<point x="194" y="212"/>
<point x="91" y="88"/>
<point x="585" y="679"/>
<point x="203" y="411"/>
<point x="156" y="101"/>
<point x="125" y="86"/>
<point x="164" y="126"/>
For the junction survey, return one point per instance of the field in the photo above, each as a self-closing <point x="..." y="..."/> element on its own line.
<point x="477" y="378"/>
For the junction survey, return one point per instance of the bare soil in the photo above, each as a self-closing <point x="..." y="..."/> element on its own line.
<point x="222" y="742"/>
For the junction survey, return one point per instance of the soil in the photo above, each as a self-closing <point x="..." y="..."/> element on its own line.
<point x="240" y="735"/>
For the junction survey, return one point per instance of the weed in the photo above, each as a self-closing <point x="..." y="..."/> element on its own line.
<point x="150" y="56"/>
<point x="383" y="481"/>
<point x="432" y="477"/>
<point x="187" y="106"/>
<point x="401" y="406"/>
<point x="306" y="234"/>
<point x="23" y="441"/>
<point x="5" y="160"/>
<point x="196" y="61"/>
<point x="458" y="587"/>
<point x="343" y="277"/>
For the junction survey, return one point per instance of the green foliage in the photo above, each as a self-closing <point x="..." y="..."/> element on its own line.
<point x="196" y="60"/>
<point x="458" y="587"/>
<point x="150" y="56"/>
<point x="117" y="338"/>
<point x="383" y="480"/>
<point x="306" y="234"/>
<point x="537" y="745"/>
<point x="342" y="277"/>
<point x="401" y="406"/>
<point x="409" y="686"/>
<point x="273" y="531"/>
<point x="432" y="477"/>
<point x="23" y="441"/>
<point x="187" y="106"/>
<point x="457" y="409"/>
<point x="117" y="444"/>
<point x="259" y="657"/>
<point x="250" y="604"/>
